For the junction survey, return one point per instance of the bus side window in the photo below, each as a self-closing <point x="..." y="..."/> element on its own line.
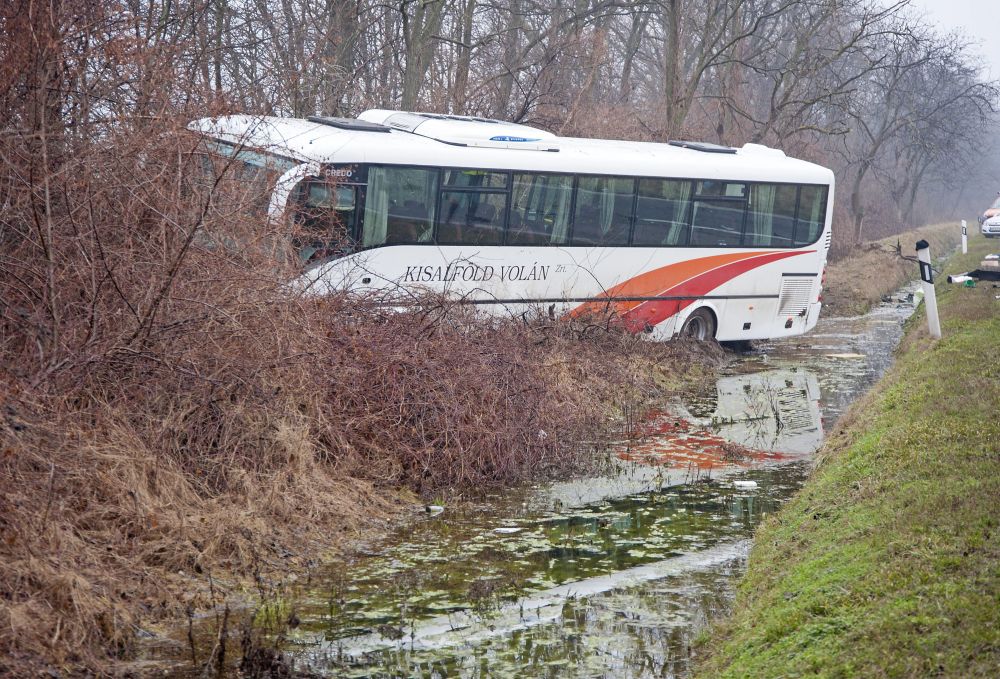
<point x="661" y="212"/>
<point x="473" y="207"/>
<point x="540" y="209"/>
<point x="811" y="215"/>
<point x="717" y="218"/>
<point x="204" y="171"/>
<point x="259" y="182"/>
<point x="399" y="207"/>
<point x="603" y="214"/>
<point x="471" y="217"/>
<point x="771" y="220"/>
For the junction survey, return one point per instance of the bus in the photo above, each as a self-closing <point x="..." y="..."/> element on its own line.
<point x="677" y="238"/>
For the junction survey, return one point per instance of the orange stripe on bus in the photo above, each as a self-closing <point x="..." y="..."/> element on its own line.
<point x="654" y="312"/>
<point x="655" y="282"/>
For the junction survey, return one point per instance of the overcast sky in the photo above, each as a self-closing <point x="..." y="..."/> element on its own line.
<point x="979" y="20"/>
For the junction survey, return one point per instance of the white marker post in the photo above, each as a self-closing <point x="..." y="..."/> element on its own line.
<point x="927" y="278"/>
<point x="965" y="238"/>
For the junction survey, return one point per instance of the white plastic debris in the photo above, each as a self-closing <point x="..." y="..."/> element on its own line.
<point x="744" y="485"/>
<point x="506" y="530"/>
<point x="434" y="510"/>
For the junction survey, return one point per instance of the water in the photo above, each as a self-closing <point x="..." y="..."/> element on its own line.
<point x="611" y="575"/>
<point x="611" y="587"/>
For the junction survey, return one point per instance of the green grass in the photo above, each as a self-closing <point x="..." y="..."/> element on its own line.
<point x="887" y="562"/>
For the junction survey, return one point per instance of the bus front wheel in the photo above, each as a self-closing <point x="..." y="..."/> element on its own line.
<point x="700" y="325"/>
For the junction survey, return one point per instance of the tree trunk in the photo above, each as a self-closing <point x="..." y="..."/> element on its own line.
<point x="857" y="203"/>
<point x="631" y="48"/>
<point x="673" y="58"/>
<point x="464" y="63"/>
<point x="339" y="45"/>
<point x="418" y="32"/>
<point x="511" y="41"/>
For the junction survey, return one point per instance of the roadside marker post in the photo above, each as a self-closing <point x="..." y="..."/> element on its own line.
<point x="965" y="238"/>
<point x="927" y="280"/>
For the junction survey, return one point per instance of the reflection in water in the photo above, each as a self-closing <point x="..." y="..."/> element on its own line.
<point x="612" y="584"/>
<point x="745" y="419"/>
<point x="848" y="355"/>
<point x="617" y="579"/>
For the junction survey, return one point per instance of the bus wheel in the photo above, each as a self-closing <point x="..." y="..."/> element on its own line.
<point x="700" y="325"/>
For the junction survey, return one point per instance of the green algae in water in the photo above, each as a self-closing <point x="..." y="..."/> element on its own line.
<point x="449" y="630"/>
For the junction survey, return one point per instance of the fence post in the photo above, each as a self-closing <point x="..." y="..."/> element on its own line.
<point x="965" y="238"/>
<point x="927" y="280"/>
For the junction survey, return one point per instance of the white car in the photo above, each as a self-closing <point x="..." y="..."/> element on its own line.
<point x="991" y="227"/>
<point x="992" y="211"/>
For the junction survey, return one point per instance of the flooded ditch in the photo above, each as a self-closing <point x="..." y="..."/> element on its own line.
<point x="612" y="575"/>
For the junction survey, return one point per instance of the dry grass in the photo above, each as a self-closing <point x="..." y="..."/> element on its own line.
<point x="861" y="277"/>
<point x="173" y="411"/>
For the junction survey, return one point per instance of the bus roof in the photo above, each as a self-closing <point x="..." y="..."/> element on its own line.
<point x="456" y="141"/>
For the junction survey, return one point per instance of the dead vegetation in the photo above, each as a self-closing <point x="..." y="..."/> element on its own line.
<point x="174" y="411"/>
<point x="175" y="419"/>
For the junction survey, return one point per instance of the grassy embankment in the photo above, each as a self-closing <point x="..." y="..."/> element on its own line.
<point x="857" y="281"/>
<point x="887" y="563"/>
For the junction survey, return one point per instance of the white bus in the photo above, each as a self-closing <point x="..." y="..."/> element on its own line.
<point x="677" y="238"/>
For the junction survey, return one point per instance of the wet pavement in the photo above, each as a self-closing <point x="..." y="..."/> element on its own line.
<point x="611" y="575"/>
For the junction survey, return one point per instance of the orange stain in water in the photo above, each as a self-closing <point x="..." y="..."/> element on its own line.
<point x="664" y="439"/>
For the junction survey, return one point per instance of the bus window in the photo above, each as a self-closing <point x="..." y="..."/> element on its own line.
<point x="539" y="209"/>
<point x="603" y="213"/>
<point x="772" y="216"/>
<point x="812" y="214"/>
<point x="244" y="183"/>
<point x="661" y="212"/>
<point x="473" y="207"/>
<point x="324" y="218"/>
<point x="721" y="189"/>
<point x="717" y="218"/>
<point x="474" y="179"/>
<point x="399" y="207"/>
<point x="471" y="217"/>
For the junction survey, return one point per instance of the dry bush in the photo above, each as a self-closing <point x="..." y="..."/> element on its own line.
<point x="172" y="406"/>
<point x="150" y="420"/>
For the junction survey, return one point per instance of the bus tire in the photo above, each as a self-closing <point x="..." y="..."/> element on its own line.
<point x="699" y="325"/>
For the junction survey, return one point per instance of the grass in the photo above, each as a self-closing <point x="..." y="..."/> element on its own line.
<point x="858" y="280"/>
<point x="887" y="562"/>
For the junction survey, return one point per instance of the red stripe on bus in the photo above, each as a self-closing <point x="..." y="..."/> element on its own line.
<point x="655" y="282"/>
<point x="651" y="313"/>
